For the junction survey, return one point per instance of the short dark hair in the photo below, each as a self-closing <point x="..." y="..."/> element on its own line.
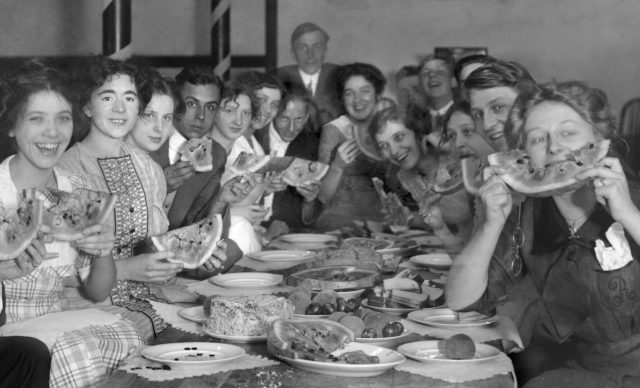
<point x="371" y="73"/>
<point x="447" y="59"/>
<point x="232" y="90"/>
<point x="295" y="93"/>
<point x="165" y="86"/>
<point x="501" y="73"/>
<point x="197" y="74"/>
<point x="31" y="76"/>
<point x="258" y="80"/>
<point x="303" y="28"/>
<point x="407" y="71"/>
<point x="482" y="59"/>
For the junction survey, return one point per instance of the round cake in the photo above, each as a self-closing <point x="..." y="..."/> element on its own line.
<point x="246" y="315"/>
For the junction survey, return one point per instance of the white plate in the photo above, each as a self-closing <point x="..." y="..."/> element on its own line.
<point x="282" y="256"/>
<point x="194" y="314"/>
<point x="384" y="340"/>
<point x="388" y="359"/>
<point x="308" y="240"/>
<point x="246" y="280"/>
<point x="192" y="353"/>
<point x="388" y="310"/>
<point x="427" y="351"/>
<point x="445" y="318"/>
<point x="437" y="261"/>
<point x="305" y="316"/>
<point x="236" y="338"/>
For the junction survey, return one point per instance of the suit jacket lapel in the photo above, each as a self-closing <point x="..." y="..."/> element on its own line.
<point x="161" y="155"/>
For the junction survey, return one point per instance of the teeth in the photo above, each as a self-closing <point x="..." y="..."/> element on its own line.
<point x="48" y="147"/>
<point x="118" y="121"/>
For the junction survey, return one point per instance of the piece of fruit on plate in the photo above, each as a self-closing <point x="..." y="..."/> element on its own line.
<point x="68" y="213"/>
<point x="19" y="227"/>
<point x="197" y="151"/>
<point x="193" y="244"/>
<point x="248" y="162"/>
<point x="555" y="178"/>
<point x="307" y="339"/>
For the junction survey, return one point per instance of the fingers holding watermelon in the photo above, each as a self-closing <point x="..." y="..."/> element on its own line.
<point x="177" y="173"/>
<point x="149" y="267"/>
<point x="611" y="187"/>
<point x="218" y="257"/>
<point x="347" y="153"/>
<point x="97" y="240"/>
<point x="237" y="188"/>
<point x="497" y="200"/>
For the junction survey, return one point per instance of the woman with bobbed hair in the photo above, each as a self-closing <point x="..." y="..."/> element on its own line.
<point x="347" y="191"/>
<point x="578" y="247"/>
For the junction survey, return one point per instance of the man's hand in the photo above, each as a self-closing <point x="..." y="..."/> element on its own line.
<point x="177" y="173"/>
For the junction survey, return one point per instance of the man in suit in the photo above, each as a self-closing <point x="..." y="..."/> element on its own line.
<point x="309" y="46"/>
<point x="439" y="84"/>
<point x="289" y="135"/>
<point x="189" y="193"/>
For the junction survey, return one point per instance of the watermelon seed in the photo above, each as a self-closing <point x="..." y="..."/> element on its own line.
<point x="520" y="161"/>
<point x="579" y="163"/>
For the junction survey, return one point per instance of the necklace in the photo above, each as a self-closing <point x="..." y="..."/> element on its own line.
<point x="574" y="223"/>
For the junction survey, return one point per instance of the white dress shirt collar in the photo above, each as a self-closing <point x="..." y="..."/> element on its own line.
<point x="310" y="79"/>
<point x="277" y="146"/>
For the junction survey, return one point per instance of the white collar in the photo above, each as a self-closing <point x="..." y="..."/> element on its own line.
<point x="442" y="111"/>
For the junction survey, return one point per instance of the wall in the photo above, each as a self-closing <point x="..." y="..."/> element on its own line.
<point x="592" y="40"/>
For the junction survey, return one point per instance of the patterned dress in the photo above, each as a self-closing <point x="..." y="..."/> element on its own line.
<point x="356" y="198"/>
<point x="80" y="357"/>
<point x="140" y="185"/>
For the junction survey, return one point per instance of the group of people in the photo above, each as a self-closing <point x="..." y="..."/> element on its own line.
<point x="117" y="127"/>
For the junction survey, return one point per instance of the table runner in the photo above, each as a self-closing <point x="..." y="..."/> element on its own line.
<point x="169" y="312"/>
<point x="460" y="372"/>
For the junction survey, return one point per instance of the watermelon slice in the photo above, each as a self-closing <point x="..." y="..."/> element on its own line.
<point x="197" y="151"/>
<point x="248" y="162"/>
<point x="193" y="244"/>
<point x="367" y="144"/>
<point x="448" y="175"/>
<point x="309" y="339"/>
<point x="18" y="228"/>
<point x="302" y="171"/>
<point x="472" y="173"/>
<point x="68" y="213"/>
<point x="557" y="178"/>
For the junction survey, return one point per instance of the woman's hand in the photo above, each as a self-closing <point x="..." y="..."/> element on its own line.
<point x="611" y="188"/>
<point x="496" y="197"/>
<point x="346" y="154"/>
<point x="218" y="257"/>
<point x="309" y="191"/>
<point x="98" y="240"/>
<point x="148" y="267"/>
<point x="252" y="213"/>
<point x="177" y="173"/>
<point x="275" y="183"/>
<point x="26" y="262"/>
<point x="237" y="188"/>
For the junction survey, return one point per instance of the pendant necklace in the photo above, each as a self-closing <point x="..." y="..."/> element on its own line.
<point x="573" y="223"/>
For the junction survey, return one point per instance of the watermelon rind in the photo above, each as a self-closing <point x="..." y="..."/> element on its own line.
<point x="67" y="233"/>
<point x="255" y="164"/>
<point x="540" y="188"/>
<point x="11" y="251"/>
<point x="211" y="242"/>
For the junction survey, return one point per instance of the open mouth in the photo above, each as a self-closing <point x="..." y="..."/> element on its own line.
<point x="118" y="122"/>
<point x="47" y="148"/>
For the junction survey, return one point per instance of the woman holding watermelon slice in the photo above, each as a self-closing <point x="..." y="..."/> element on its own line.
<point x="398" y="143"/>
<point x="38" y="118"/>
<point x="578" y="246"/>
<point x="114" y="95"/>
<point x="347" y="190"/>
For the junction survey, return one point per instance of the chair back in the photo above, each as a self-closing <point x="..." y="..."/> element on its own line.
<point x="629" y="126"/>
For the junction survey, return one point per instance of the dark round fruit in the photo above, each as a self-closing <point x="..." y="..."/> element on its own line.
<point x="392" y="329"/>
<point x="459" y="347"/>
<point x="314" y="309"/>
